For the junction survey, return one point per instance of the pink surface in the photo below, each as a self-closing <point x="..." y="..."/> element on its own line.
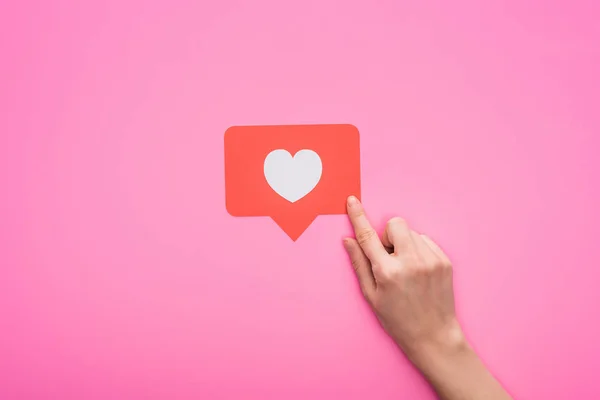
<point x="123" y="277"/>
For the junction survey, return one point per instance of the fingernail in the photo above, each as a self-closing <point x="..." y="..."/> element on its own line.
<point x="346" y="243"/>
<point x="352" y="201"/>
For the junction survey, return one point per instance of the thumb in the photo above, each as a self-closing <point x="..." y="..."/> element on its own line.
<point x="361" y="265"/>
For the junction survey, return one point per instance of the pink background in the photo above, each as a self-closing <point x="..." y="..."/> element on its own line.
<point x="123" y="277"/>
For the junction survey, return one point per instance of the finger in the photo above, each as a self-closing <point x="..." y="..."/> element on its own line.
<point x="436" y="249"/>
<point x="398" y="234"/>
<point x="361" y="266"/>
<point x="366" y="236"/>
<point x="387" y="244"/>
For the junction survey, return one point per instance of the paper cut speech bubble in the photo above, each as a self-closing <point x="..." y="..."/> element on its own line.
<point x="291" y="173"/>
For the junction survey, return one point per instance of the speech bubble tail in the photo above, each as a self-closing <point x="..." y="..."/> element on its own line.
<point x="294" y="224"/>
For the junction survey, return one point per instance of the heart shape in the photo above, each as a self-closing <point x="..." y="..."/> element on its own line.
<point x="293" y="177"/>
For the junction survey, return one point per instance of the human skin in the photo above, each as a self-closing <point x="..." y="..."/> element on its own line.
<point x="407" y="280"/>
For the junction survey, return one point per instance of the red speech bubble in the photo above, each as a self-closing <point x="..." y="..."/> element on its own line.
<point x="291" y="173"/>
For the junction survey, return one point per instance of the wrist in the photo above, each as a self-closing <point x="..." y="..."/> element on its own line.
<point x="444" y="347"/>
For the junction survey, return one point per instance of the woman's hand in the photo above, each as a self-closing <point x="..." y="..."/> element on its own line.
<point x="407" y="280"/>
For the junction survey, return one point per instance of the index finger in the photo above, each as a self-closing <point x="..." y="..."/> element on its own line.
<point x="366" y="236"/>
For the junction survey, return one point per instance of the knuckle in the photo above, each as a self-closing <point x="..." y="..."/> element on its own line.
<point x="387" y="274"/>
<point x="385" y="277"/>
<point x="396" y="274"/>
<point x="417" y="267"/>
<point x="365" y="236"/>
<point x="431" y="268"/>
<point x="396" y="221"/>
<point x="356" y="263"/>
<point x="438" y="266"/>
<point x="412" y="261"/>
<point x="446" y="266"/>
<point x="381" y="273"/>
<point x="377" y="269"/>
<point x="422" y="270"/>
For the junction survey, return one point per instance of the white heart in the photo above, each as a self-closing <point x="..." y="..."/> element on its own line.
<point x="293" y="177"/>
